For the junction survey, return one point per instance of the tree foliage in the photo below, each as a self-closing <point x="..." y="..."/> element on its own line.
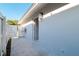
<point x="12" y="22"/>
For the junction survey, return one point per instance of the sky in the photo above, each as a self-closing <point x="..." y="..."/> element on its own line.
<point x="14" y="10"/>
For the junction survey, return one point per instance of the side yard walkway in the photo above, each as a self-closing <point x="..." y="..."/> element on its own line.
<point x="20" y="47"/>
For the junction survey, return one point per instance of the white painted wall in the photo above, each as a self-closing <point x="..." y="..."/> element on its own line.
<point x="59" y="34"/>
<point x="11" y="30"/>
<point x="2" y="35"/>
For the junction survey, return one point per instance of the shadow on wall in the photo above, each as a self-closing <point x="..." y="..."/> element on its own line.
<point x="8" y="47"/>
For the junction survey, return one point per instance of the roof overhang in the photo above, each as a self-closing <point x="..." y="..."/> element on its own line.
<point x="38" y="7"/>
<point x="28" y="16"/>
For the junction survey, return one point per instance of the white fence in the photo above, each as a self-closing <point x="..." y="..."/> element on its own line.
<point x="2" y="35"/>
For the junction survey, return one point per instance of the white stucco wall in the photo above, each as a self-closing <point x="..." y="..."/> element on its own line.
<point x="58" y="34"/>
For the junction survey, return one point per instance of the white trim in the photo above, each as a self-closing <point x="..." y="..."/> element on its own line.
<point x="32" y="10"/>
<point x="27" y="14"/>
<point x="31" y="22"/>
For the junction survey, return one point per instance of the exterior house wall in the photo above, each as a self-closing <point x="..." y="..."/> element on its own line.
<point x="29" y="32"/>
<point x="58" y="34"/>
